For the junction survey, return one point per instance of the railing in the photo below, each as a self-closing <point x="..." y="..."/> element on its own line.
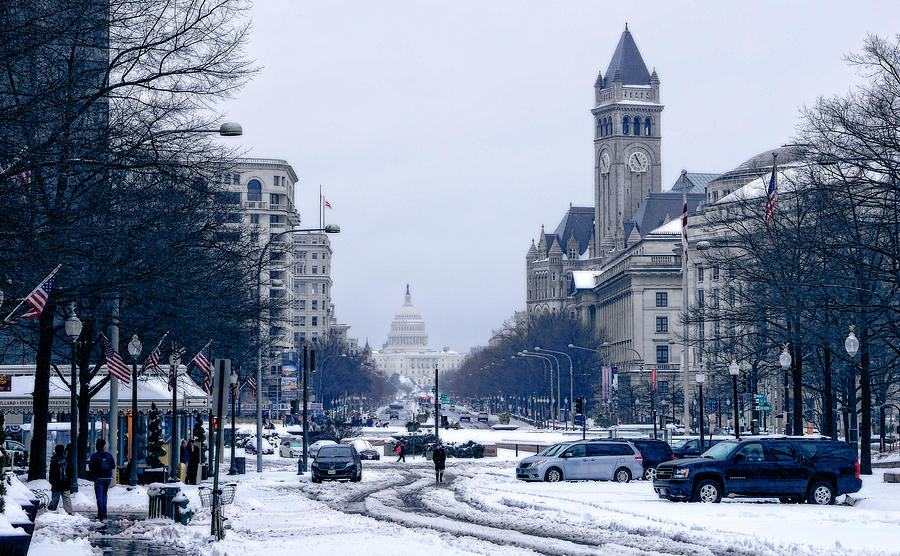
<point x="277" y="206"/>
<point x="254" y="204"/>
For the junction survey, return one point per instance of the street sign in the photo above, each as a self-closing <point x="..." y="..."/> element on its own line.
<point x="579" y="420"/>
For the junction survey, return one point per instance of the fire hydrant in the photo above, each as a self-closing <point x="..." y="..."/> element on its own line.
<point x="182" y="513"/>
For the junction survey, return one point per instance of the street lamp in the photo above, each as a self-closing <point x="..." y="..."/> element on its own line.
<point x="701" y="378"/>
<point x="558" y="393"/>
<point x="328" y="229"/>
<point x="548" y="360"/>
<point x="73" y="331"/>
<point x="734" y="370"/>
<point x="785" y="360"/>
<point x="134" y="350"/>
<point x="233" y="380"/>
<point x="174" y="453"/>
<point x="851" y="344"/>
<point x="571" y="384"/>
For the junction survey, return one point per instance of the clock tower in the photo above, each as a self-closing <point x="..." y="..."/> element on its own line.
<point x="627" y="134"/>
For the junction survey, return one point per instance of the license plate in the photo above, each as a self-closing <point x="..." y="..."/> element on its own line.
<point x="331" y="471"/>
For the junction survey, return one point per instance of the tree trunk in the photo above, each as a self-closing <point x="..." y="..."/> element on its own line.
<point x="797" y="368"/>
<point x="828" y="397"/>
<point x="37" y="464"/>
<point x="865" y="393"/>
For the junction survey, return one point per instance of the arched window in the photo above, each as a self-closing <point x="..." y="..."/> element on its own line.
<point x="637" y="125"/>
<point x="600" y="128"/>
<point x="609" y="126"/>
<point x="625" y="123"/>
<point x="254" y="190"/>
<point x="648" y="126"/>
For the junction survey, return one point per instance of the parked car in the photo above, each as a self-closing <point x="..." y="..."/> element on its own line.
<point x="790" y="469"/>
<point x="394" y="415"/>
<point x="654" y="452"/>
<point x="483" y="417"/>
<point x="291" y="448"/>
<point x="365" y="449"/>
<point x="250" y="446"/>
<point x="465" y="416"/>
<point x="691" y="448"/>
<point x="337" y="463"/>
<point x="17" y="451"/>
<point x="314" y="447"/>
<point x="596" y="460"/>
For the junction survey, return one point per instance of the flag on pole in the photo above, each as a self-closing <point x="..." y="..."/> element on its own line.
<point x="606" y="375"/>
<point x="202" y="362"/>
<point x="251" y="384"/>
<point x="684" y="235"/>
<point x="152" y="361"/>
<point x="114" y="363"/>
<point x="653" y="378"/>
<point x="37" y="299"/>
<point x="327" y="204"/>
<point x="173" y="368"/>
<point x="773" y="188"/>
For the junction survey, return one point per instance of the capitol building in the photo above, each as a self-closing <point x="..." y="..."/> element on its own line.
<point x="406" y="352"/>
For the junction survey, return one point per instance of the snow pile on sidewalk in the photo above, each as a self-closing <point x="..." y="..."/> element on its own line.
<point x="57" y="533"/>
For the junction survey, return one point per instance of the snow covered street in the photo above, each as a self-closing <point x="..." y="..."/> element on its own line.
<point x="483" y="509"/>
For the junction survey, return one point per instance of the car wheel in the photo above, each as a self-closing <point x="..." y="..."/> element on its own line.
<point x="553" y="475"/>
<point x="357" y="478"/>
<point x="821" y="493"/>
<point x="622" y="475"/>
<point x="708" y="492"/>
<point x="650" y="473"/>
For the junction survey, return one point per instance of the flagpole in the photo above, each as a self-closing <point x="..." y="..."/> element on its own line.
<point x="114" y="395"/>
<point x="42" y="282"/>
<point x="321" y="209"/>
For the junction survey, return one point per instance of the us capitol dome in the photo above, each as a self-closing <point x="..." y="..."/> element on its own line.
<point x="406" y="352"/>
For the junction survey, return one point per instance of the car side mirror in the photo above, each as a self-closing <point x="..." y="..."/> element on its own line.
<point x="740" y="458"/>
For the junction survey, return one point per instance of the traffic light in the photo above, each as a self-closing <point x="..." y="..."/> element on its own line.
<point x="579" y="406"/>
<point x="295" y="407"/>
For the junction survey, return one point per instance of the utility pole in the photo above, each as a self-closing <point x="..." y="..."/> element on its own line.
<point x="437" y="408"/>
<point x="308" y="364"/>
<point x="174" y="455"/>
<point x="114" y="395"/>
<point x="223" y="369"/>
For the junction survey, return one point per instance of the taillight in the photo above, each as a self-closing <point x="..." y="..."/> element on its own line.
<point x="640" y="458"/>
<point x="857" y="469"/>
<point x="673" y="456"/>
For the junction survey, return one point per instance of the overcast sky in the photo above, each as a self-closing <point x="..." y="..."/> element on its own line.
<point x="446" y="133"/>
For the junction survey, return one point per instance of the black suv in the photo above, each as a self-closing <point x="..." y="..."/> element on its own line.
<point x="691" y="448"/>
<point x="653" y="453"/>
<point x="337" y="462"/>
<point x="791" y="469"/>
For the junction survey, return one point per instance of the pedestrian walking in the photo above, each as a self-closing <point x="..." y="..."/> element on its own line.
<point x="61" y="472"/>
<point x="193" y="465"/>
<point x="439" y="456"/>
<point x="401" y="451"/>
<point x="101" y="465"/>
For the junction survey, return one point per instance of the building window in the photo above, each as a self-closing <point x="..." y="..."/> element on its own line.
<point x="662" y="324"/>
<point x="296" y="321"/>
<point x="274" y="219"/>
<point x="637" y="125"/>
<point x="315" y="321"/>
<point x="301" y="288"/>
<point x="314" y="255"/>
<point x="302" y="337"/>
<point x="662" y="299"/>
<point x="254" y="190"/>
<point x="715" y="298"/>
<point x="662" y="388"/>
<point x="609" y="126"/>
<point x="275" y="198"/>
<point x="315" y="305"/>
<point x="315" y="337"/>
<point x="296" y="305"/>
<point x="301" y="255"/>
<point x="315" y="269"/>
<point x="662" y="355"/>
<point x="626" y="124"/>
<point x="648" y="126"/>
<point x="254" y="219"/>
<point x="324" y="256"/>
<point x="302" y="306"/>
<point x="715" y="273"/>
<point x="236" y="179"/>
<point x="274" y="275"/>
<point x="600" y="128"/>
<point x="701" y="298"/>
<point x="302" y="321"/>
<point x="315" y="287"/>
<point x="699" y="273"/>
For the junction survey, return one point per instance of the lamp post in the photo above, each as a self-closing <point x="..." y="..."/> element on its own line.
<point x="233" y="380"/>
<point x="785" y="360"/>
<point x="851" y="344"/>
<point x="700" y="378"/>
<point x="734" y="369"/>
<point x="329" y="229"/>
<point x="174" y="453"/>
<point x="73" y="331"/>
<point x="134" y="350"/>
<point x="571" y="403"/>
<point x="546" y="359"/>
<point x="558" y="393"/>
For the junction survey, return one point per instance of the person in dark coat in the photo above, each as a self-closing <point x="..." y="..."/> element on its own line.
<point x="193" y="463"/>
<point x="439" y="456"/>
<point x="61" y="471"/>
<point x="102" y="466"/>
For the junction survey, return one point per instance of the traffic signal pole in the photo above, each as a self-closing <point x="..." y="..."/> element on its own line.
<point x="437" y="409"/>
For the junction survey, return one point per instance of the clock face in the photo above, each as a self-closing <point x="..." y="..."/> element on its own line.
<point x="604" y="163"/>
<point x="638" y="162"/>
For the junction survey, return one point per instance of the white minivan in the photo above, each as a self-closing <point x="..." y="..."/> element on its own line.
<point x="591" y="460"/>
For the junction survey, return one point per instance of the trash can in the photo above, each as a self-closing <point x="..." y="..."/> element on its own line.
<point x="161" y="498"/>
<point x="159" y="475"/>
<point x="240" y="464"/>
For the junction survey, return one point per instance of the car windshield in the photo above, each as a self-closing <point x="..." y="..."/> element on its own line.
<point x="334" y="452"/>
<point x="296" y="444"/>
<point x="554" y="450"/>
<point x="680" y="444"/>
<point x="721" y="450"/>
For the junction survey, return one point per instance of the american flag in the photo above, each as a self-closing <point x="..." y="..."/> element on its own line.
<point x="173" y="366"/>
<point x="684" y="236"/>
<point x="152" y="361"/>
<point x="114" y="363"/>
<point x="773" y="188"/>
<point x="251" y="384"/>
<point x="201" y="361"/>
<point x="37" y="299"/>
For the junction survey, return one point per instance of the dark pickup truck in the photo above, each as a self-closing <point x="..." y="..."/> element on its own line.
<point x="791" y="469"/>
